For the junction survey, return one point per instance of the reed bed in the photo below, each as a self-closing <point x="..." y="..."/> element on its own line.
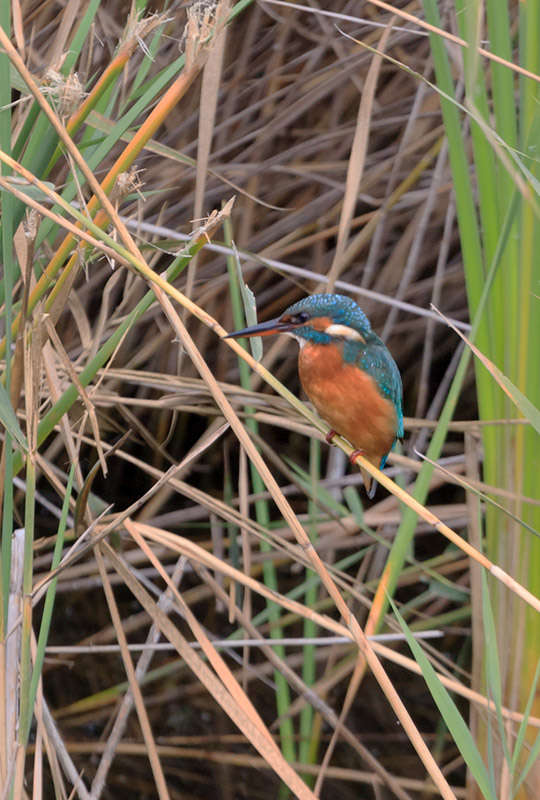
<point x="197" y="599"/>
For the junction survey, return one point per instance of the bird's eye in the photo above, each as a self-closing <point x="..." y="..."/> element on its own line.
<point x="302" y="317"/>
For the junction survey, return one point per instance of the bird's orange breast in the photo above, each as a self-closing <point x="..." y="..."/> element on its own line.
<point x="348" y="399"/>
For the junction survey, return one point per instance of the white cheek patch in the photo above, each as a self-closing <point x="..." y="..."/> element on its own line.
<point x="300" y="339"/>
<point x="345" y="332"/>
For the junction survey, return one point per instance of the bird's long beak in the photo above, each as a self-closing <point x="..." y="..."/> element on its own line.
<point x="262" y="329"/>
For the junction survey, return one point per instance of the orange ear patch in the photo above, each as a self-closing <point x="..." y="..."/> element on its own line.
<point x="320" y="323"/>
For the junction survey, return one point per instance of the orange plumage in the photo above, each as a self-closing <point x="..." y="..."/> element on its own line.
<point x="349" y="400"/>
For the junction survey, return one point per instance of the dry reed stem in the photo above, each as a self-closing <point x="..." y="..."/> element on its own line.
<point x="90" y="410"/>
<point x="181" y="751"/>
<point x="120" y="722"/>
<point x="399" y="12"/>
<point x="304" y="541"/>
<point x="498" y="573"/>
<point x="380" y="477"/>
<point x="70" y="146"/>
<point x="355" y="167"/>
<point x="312" y="696"/>
<point x="192" y="551"/>
<point x="157" y="769"/>
<point x="266" y="747"/>
<point x="214" y="657"/>
<point x="10" y="656"/>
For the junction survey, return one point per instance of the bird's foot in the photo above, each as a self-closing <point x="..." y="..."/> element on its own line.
<point x="352" y="457"/>
<point x="329" y="436"/>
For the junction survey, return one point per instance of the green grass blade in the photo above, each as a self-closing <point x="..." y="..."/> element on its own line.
<point x="520" y="738"/>
<point x="49" y="597"/>
<point x="250" y="307"/>
<point x="310" y="733"/>
<point x="491" y="657"/>
<point x="8" y="418"/>
<point x="80" y="36"/>
<point x="528" y="409"/>
<point x="453" y="719"/>
<point x="7" y="415"/>
<point x="70" y="396"/>
<point x="262" y="515"/>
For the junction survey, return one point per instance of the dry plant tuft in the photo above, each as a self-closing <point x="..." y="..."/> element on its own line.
<point x="66" y="92"/>
<point x="202" y="21"/>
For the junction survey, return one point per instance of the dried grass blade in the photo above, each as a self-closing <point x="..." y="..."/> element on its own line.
<point x="214" y="658"/>
<point x="207" y="114"/>
<point x="303" y="539"/>
<point x="355" y="166"/>
<point x="528" y="409"/>
<point x="157" y="770"/>
<point x="64" y="358"/>
<point x="194" y="552"/>
<point x="164" y="602"/>
<point x="269" y="751"/>
<point x="310" y="694"/>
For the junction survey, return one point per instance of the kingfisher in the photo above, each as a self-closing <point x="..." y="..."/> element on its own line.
<point x="347" y="373"/>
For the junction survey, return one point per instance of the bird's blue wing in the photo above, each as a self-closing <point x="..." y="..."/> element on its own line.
<point x="377" y="362"/>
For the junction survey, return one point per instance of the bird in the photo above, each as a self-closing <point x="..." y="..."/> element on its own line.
<point x="346" y="371"/>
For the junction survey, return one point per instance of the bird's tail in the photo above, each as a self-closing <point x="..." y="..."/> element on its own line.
<point x="370" y="484"/>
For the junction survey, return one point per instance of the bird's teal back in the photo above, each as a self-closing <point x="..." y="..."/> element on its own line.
<point x="375" y="359"/>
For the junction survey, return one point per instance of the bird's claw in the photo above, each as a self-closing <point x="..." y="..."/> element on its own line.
<point x="352" y="457"/>
<point x="329" y="436"/>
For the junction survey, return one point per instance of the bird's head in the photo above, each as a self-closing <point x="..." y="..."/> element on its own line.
<point x="320" y="319"/>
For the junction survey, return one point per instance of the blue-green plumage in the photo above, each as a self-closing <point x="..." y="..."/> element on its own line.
<point x="342" y="310"/>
